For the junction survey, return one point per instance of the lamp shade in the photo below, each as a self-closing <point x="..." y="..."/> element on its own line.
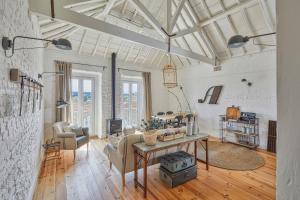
<point x="61" y="103"/>
<point x="237" y="41"/>
<point x="63" y="44"/>
<point x="170" y="76"/>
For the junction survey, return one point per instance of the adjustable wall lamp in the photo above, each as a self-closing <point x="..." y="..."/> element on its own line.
<point x="239" y="40"/>
<point x="8" y="44"/>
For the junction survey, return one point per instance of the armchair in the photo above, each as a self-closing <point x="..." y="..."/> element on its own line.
<point x="69" y="140"/>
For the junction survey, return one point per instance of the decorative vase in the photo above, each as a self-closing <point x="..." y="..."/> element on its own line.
<point x="150" y="137"/>
<point x="194" y="129"/>
<point x="189" y="128"/>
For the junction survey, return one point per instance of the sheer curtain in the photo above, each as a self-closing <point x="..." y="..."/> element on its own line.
<point x="148" y="95"/>
<point x="63" y="90"/>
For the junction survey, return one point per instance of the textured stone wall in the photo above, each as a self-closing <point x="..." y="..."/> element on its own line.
<point x="20" y="136"/>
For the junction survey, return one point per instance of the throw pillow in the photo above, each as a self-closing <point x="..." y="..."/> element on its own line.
<point x="67" y="128"/>
<point x="114" y="140"/>
<point x="128" y="131"/>
<point x="77" y="131"/>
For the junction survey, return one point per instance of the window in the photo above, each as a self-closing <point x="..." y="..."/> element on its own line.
<point x="83" y="102"/>
<point x="131" y="101"/>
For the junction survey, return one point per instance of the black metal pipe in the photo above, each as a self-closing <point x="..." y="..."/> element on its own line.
<point x="113" y="84"/>
<point x="261" y="35"/>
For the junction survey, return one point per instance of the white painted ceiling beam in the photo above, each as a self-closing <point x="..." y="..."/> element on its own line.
<point x="248" y="23"/>
<point x="267" y="15"/>
<point x="169" y="15"/>
<point x="217" y="28"/>
<point x="154" y="57"/>
<point x="51" y="26"/>
<point x="40" y="7"/>
<point x="97" y="45"/>
<point x="107" y="8"/>
<point x="82" y="41"/>
<point x="107" y="47"/>
<point x="233" y="28"/>
<point x="57" y="31"/>
<point x="148" y="16"/>
<point x="186" y="25"/>
<point x="194" y="18"/>
<point x="64" y="34"/>
<point x="213" y="19"/>
<point x="77" y="3"/>
<point x="82" y="9"/>
<point x="176" y="15"/>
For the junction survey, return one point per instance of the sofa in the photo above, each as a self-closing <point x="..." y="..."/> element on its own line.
<point x="70" y="140"/>
<point x="120" y="152"/>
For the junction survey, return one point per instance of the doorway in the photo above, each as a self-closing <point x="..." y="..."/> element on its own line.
<point x="83" y="102"/>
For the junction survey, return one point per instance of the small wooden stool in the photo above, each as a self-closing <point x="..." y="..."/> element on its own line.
<point x="52" y="150"/>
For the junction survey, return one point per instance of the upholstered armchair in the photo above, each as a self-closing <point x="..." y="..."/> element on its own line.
<point x="70" y="140"/>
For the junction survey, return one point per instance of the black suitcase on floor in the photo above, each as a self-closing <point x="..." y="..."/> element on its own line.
<point x="178" y="178"/>
<point x="177" y="161"/>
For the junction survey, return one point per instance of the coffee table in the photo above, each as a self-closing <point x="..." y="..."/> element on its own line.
<point x="141" y="152"/>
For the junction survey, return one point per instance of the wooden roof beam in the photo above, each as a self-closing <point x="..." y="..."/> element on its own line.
<point x="42" y="7"/>
<point x="215" y="18"/>
<point x="149" y="17"/>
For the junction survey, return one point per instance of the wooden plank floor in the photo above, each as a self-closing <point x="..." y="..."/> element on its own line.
<point x="89" y="177"/>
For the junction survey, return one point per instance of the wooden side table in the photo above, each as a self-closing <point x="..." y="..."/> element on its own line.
<point x="142" y="151"/>
<point x="52" y="150"/>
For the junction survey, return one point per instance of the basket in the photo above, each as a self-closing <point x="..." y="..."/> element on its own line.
<point x="150" y="137"/>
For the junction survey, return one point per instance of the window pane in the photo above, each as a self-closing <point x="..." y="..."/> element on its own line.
<point x="75" y="102"/>
<point x="125" y="103"/>
<point x="87" y="104"/>
<point x="134" y="104"/>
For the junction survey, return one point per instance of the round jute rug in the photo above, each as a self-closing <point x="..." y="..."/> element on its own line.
<point x="230" y="156"/>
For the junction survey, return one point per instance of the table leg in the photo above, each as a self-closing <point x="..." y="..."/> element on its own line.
<point x="206" y="151"/>
<point x="145" y="174"/>
<point x="135" y="170"/>
<point x="195" y="152"/>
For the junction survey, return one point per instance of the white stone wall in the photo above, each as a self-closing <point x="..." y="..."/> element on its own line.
<point x="159" y="93"/>
<point x="260" y="69"/>
<point x="20" y="136"/>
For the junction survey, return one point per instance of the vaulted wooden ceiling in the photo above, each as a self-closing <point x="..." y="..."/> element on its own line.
<point x="202" y="27"/>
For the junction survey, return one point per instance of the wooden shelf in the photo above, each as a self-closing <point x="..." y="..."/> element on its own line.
<point x="251" y="146"/>
<point x="246" y="132"/>
<point x="239" y="132"/>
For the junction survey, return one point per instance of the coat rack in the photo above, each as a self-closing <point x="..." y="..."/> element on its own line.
<point x="33" y="86"/>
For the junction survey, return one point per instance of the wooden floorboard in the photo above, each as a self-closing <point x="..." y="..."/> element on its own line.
<point x="89" y="178"/>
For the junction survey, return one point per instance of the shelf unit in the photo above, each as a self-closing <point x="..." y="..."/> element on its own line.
<point x="245" y="132"/>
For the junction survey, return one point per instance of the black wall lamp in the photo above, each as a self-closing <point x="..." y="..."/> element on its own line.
<point x="247" y="82"/>
<point x="59" y="73"/>
<point x="8" y="44"/>
<point x="239" y="40"/>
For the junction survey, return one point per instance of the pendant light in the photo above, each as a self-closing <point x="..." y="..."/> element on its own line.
<point x="170" y="71"/>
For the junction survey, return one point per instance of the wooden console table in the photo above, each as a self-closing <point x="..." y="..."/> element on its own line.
<point x="141" y="151"/>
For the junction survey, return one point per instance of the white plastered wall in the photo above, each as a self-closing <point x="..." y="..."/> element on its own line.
<point x="288" y="84"/>
<point x="260" y="69"/>
<point x="159" y="94"/>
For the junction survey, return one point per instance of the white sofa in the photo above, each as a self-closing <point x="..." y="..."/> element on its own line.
<point x="120" y="153"/>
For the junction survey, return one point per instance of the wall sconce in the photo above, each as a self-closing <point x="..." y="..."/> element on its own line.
<point x="8" y="44"/>
<point x="247" y="82"/>
<point x="59" y="73"/>
<point x="61" y="103"/>
<point x="237" y="41"/>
